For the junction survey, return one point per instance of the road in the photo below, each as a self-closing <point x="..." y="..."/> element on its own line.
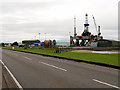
<point x="37" y="71"/>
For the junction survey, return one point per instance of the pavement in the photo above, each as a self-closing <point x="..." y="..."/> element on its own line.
<point x="36" y="71"/>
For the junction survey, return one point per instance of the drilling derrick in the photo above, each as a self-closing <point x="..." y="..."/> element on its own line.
<point x="86" y="23"/>
<point x="75" y="27"/>
<point x="86" y="39"/>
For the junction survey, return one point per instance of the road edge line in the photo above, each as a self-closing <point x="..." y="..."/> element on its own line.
<point x="15" y="80"/>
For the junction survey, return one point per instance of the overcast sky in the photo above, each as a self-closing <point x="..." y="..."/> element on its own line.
<point x="24" y="19"/>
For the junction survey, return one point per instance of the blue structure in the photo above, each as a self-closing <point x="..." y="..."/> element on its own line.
<point x="42" y="44"/>
<point x="37" y="44"/>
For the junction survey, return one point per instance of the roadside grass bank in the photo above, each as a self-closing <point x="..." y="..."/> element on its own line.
<point x="102" y="59"/>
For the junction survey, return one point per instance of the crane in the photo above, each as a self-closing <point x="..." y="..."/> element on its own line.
<point x="95" y="24"/>
<point x="98" y="31"/>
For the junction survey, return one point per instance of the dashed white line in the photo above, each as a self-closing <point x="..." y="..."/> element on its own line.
<point x="15" y="54"/>
<point x="17" y="83"/>
<point x="27" y="58"/>
<point x="53" y="66"/>
<point x="106" y="83"/>
<point x="107" y="68"/>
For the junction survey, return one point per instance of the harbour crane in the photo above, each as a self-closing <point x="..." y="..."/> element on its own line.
<point x="98" y="31"/>
<point x="95" y="24"/>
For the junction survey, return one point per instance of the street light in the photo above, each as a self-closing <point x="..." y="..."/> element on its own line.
<point x="39" y="36"/>
<point x="45" y="36"/>
<point x="69" y="33"/>
<point x="35" y="36"/>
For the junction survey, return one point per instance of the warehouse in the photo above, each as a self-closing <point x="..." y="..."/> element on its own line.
<point x="108" y="43"/>
<point x="28" y="42"/>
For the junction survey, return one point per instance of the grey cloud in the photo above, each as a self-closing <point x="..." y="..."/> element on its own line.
<point x="58" y="27"/>
<point x="10" y="7"/>
<point x="62" y="27"/>
<point x="28" y="24"/>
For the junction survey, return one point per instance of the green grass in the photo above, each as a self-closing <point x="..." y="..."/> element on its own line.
<point x="111" y="59"/>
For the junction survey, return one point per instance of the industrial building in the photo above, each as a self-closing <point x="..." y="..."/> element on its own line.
<point x="108" y="43"/>
<point x="28" y="42"/>
<point x="38" y="44"/>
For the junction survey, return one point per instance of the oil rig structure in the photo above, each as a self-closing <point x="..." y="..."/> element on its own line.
<point x="86" y="38"/>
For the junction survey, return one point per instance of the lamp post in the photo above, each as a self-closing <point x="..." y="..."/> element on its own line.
<point x="35" y="36"/>
<point x="45" y="36"/>
<point x="39" y="36"/>
<point x="69" y="33"/>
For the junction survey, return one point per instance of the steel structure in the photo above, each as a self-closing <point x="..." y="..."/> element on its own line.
<point x="86" y="37"/>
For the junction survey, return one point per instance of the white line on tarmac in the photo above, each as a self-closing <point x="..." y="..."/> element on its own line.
<point x="17" y="83"/>
<point x="106" y="84"/>
<point x="107" y="67"/>
<point x="27" y="58"/>
<point x="15" y="54"/>
<point x="53" y="66"/>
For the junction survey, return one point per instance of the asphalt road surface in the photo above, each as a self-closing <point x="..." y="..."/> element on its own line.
<point x="36" y="71"/>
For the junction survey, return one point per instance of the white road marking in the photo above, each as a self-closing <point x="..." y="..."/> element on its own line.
<point x="107" y="67"/>
<point x="15" y="54"/>
<point x="27" y="58"/>
<point x="53" y="66"/>
<point x="102" y="67"/>
<point x="106" y="84"/>
<point x="17" y="83"/>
